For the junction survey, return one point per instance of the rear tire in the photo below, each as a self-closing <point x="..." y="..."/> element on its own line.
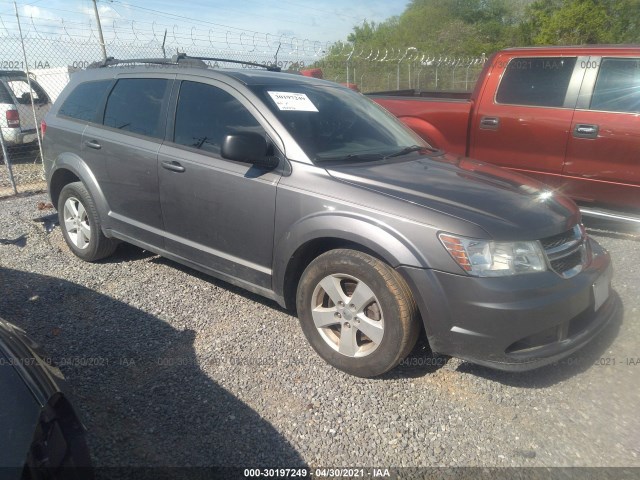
<point x="80" y="224"/>
<point x="357" y="312"/>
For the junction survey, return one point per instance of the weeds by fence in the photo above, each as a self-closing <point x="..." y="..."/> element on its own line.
<point x="39" y="55"/>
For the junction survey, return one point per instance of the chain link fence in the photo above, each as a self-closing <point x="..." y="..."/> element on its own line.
<point x="38" y="57"/>
<point x="400" y="69"/>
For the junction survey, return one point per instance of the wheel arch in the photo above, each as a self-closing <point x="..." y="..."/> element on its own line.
<point x="311" y="237"/>
<point x="69" y="168"/>
<point x="427" y="131"/>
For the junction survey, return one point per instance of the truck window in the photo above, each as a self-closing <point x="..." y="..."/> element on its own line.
<point x="83" y="102"/>
<point x="20" y="89"/>
<point x="540" y="81"/>
<point x="134" y="106"/>
<point x="618" y="86"/>
<point x="5" y="96"/>
<point x="206" y="114"/>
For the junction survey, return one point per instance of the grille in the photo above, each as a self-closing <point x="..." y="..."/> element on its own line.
<point x="565" y="264"/>
<point x="566" y="252"/>
<point x="558" y="240"/>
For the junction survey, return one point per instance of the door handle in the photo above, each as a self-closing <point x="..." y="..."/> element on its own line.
<point x="585" y="131"/>
<point x="489" y="123"/>
<point x="173" y="166"/>
<point x="93" y="144"/>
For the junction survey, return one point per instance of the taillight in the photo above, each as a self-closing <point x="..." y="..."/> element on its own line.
<point x="13" y="119"/>
<point x="43" y="128"/>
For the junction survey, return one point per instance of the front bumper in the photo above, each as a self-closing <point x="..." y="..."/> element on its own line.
<point x="513" y="323"/>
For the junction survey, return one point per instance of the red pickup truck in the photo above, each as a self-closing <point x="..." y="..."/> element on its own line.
<point x="569" y="116"/>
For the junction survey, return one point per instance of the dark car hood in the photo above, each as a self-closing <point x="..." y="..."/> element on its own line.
<point x="42" y="378"/>
<point x="507" y="205"/>
<point x="25" y="385"/>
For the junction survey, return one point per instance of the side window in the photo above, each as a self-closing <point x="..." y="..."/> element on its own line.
<point x="20" y="89"/>
<point x="618" y="86"/>
<point x="83" y="102"/>
<point x="5" y="96"/>
<point x="134" y="105"/>
<point x="206" y="114"/>
<point x="540" y="81"/>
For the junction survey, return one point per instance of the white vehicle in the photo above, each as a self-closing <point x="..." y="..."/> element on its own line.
<point x="16" y="114"/>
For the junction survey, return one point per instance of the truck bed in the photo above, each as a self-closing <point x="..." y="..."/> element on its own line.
<point x="442" y="118"/>
<point x="459" y="95"/>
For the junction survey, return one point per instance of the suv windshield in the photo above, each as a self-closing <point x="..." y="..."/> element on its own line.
<point x="334" y="123"/>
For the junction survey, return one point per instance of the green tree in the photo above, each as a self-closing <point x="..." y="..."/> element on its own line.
<point x="469" y="28"/>
<point x="456" y="27"/>
<point x="576" y="22"/>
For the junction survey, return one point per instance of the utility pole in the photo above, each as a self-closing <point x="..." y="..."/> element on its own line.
<point x="104" y="50"/>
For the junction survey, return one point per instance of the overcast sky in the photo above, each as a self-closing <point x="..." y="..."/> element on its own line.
<point x="321" y="20"/>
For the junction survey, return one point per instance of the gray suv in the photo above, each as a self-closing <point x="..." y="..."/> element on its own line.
<point x="310" y="194"/>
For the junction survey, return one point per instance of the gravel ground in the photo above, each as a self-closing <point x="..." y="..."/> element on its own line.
<point x="170" y="367"/>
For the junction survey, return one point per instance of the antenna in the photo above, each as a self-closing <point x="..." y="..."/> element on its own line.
<point x="164" y="54"/>
<point x="275" y="62"/>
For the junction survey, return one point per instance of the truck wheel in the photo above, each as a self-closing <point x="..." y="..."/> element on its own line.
<point x="357" y="312"/>
<point x="80" y="224"/>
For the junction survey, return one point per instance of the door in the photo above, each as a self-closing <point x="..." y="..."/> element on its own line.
<point x="124" y="152"/>
<point x="525" y="126"/>
<point x="217" y="213"/>
<point x="604" y="148"/>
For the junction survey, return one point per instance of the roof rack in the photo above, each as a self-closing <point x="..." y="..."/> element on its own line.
<point x="178" y="59"/>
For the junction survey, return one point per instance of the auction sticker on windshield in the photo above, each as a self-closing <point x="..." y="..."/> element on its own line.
<point x="297" y="102"/>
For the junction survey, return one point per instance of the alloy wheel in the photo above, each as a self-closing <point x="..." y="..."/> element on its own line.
<point x="76" y="223"/>
<point x="347" y="315"/>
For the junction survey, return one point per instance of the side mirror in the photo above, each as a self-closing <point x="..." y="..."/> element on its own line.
<point x="249" y="148"/>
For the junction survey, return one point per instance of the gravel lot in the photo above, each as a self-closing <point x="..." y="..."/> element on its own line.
<point x="170" y="367"/>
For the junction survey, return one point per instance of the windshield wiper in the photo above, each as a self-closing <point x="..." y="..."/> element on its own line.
<point x="415" y="148"/>
<point x="352" y="156"/>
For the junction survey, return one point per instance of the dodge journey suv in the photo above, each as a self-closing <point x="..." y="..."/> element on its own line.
<point x="310" y="194"/>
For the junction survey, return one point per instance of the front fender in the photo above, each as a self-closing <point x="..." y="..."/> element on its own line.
<point x="381" y="238"/>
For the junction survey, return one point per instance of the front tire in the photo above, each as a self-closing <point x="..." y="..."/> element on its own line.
<point x="357" y="312"/>
<point x="80" y="224"/>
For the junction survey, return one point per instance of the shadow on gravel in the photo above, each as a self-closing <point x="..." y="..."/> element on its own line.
<point x="137" y="381"/>
<point x="221" y="283"/>
<point x="591" y="355"/>
<point x="127" y="252"/>
<point x="419" y="363"/>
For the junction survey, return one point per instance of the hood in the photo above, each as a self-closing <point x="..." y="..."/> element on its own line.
<point x="507" y="205"/>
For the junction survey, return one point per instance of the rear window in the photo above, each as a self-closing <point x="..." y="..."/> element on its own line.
<point x="539" y="81"/>
<point x="20" y="89"/>
<point x="5" y="96"/>
<point x="83" y="102"/>
<point x="618" y="86"/>
<point x="134" y="106"/>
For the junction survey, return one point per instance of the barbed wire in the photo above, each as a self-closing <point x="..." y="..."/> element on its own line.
<point x="153" y="34"/>
<point x="51" y="49"/>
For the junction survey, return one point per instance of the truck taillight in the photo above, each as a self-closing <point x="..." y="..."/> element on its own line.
<point x="13" y="119"/>
<point x="43" y="128"/>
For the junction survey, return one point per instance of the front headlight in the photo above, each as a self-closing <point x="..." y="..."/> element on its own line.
<point x="486" y="258"/>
